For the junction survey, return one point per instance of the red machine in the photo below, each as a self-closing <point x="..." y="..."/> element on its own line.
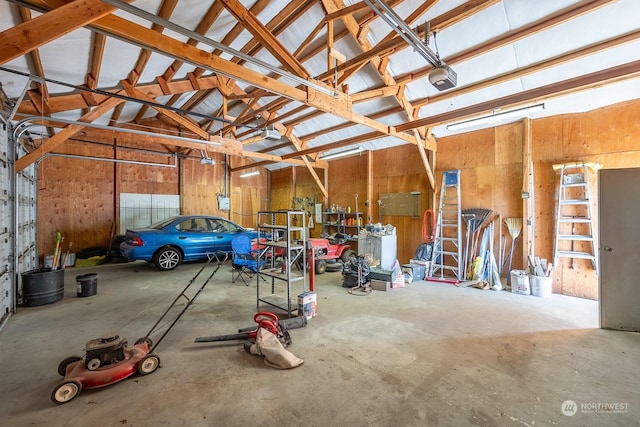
<point x="265" y="320"/>
<point x="109" y="359"/>
<point x="329" y="251"/>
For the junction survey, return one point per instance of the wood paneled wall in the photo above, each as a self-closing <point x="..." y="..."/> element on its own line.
<point x="492" y="174"/>
<point x="295" y="182"/>
<point x="400" y="170"/>
<point x="80" y="197"/>
<point x="76" y="198"/>
<point x="609" y="136"/>
<point x="395" y="170"/>
<point x="491" y="165"/>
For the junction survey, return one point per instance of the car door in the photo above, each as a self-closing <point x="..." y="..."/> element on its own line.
<point x="195" y="238"/>
<point x="224" y="231"/>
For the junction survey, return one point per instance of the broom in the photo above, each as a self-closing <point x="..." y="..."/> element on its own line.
<point x="514" y="225"/>
<point x="475" y="224"/>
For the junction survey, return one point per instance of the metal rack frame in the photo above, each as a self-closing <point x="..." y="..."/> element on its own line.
<point x="283" y="230"/>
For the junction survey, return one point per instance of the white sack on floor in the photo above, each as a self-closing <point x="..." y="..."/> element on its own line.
<point x="275" y="355"/>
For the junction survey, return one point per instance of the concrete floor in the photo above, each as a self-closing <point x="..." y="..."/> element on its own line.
<point x="429" y="354"/>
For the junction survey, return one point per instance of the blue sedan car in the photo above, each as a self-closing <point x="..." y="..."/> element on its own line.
<point x="181" y="238"/>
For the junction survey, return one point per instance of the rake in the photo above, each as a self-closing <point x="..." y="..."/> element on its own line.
<point x="476" y="216"/>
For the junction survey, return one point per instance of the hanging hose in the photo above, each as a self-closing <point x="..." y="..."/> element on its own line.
<point x="428" y="227"/>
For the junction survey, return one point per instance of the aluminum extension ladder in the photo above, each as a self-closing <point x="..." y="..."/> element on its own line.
<point x="447" y="250"/>
<point x="574" y="222"/>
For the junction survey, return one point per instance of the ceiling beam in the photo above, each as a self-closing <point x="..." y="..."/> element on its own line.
<point x="96" y="54"/>
<point x="268" y="40"/>
<point x="28" y="36"/>
<point x="34" y="56"/>
<point x="397" y="43"/>
<point x="543" y="24"/>
<point x="76" y="101"/>
<point x="70" y="130"/>
<point x="333" y="145"/>
<point x="180" y="120"/>
<point x="533" y="68"/>
<point x="564" y="87"/>
<point x="443" y="21"/>
<point x="338" y="105"/>
<point x="205" y="24"/>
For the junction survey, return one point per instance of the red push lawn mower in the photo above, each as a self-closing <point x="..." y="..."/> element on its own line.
<point x="330" y="252"/>
<point x="109" y="359"/>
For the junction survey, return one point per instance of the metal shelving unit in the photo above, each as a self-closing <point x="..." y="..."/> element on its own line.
<point x="287" y="238"/>
<point x="348" y="223"/>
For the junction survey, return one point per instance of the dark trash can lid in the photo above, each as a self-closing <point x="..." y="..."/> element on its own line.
<point x="89" y="276"/>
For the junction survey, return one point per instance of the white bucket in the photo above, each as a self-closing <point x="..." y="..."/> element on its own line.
<point x="541" y="286"/>
<point x="48" y="261"/>
<point x="71" y="260"/>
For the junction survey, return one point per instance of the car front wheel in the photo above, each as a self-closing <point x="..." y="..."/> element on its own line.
<point x="167" y="259"/>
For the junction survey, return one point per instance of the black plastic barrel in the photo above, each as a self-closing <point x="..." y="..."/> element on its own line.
<point x="87" y="284"/>
<point x="42" y="286"/>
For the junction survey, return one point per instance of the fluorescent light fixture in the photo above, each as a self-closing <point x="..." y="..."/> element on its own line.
<point x="248" y="174"/>
<point x="496" y="117"/>
<point x="356" y="150"/>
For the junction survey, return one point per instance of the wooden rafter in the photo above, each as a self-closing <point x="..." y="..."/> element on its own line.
<point x="558" y="18"/>
<point x="397" y="43"/>
<point x="34" y="56"/>
<point x="539" y="66"/>
<point x="165" y="11"/>
<point x="412" y="114"/>
<point x="298" y="144"/>
<point x="260" y="32"/>
<point x="183" y="121"/>
<point x="98" y="42"/>
<point x="275" y="26"/>
<point x="246" y="106"/>
<point x="205" y="23"/>
<point x="338" y="105"/>
<point x="56" y="140"/>
<point x="24" y="38"/>
<point x="589" y="81"/>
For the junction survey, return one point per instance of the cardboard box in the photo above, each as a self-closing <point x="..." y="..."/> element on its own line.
<point x="417" y="271"/>
<point x="380" y="285"/>
<point x="380" y="274"/>
<point x="420" y="262"/>
<point x="307" y="305"/>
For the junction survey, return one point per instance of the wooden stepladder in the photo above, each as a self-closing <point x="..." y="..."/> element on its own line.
<point x="574" y="221"/>
<point x="447" y="250"/>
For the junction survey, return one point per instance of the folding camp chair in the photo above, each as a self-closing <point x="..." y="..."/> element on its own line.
<point x="245" y="261"/>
